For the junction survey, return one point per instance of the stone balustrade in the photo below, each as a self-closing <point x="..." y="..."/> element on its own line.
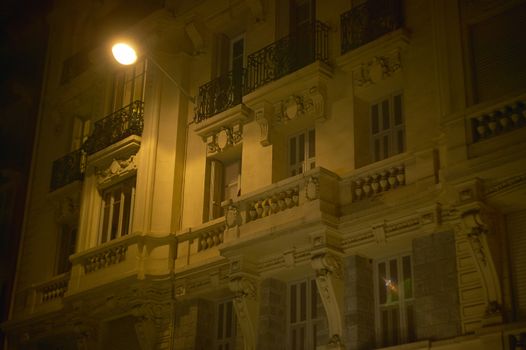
<point x="498" y="119"/>
<point x="377" y="182"/>
<point x="211" y="236"/>
<point x="103" y="258"/>
<point x="283" y="195"/>
<point x="52" y="289"/>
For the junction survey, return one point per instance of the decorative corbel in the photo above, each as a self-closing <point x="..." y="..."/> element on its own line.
<point x="149" y="323"/>
<point x="329" y="280"/>
<point x="477" y="231"/>
<point x="263" y="115"/>
<point x="247" y="307"/>
<point x="87" y="337"/>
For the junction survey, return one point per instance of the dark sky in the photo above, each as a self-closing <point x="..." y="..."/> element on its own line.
<point x="22" y="55"/>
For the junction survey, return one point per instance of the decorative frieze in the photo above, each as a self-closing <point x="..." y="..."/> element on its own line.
<point x="309" y="103"/>
<point x="105" y="258"/>
<point x="117" y="169"/>
<point x="377" y="69"/>
<point x="226" y="137"/>
<point x="506" y="184"/>
<point x="379" y="182"/>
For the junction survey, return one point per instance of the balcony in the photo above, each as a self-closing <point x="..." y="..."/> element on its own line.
<point x="219" y="95"/>
<point x="68" y="169"/>
<point x="295" y="51"/>
<point x="369" y="21"/>
<point x="117" y="126"/>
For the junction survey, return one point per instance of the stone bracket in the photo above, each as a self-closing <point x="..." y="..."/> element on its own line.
<point x="246" y="305"/>
<point x="329" y="280"/>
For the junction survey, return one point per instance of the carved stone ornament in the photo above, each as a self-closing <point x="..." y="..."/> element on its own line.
<point x="308" y="103"/>
<point x="477" y="229"/>
<point x="377" y="69"/>
<point x="224" y="138"/>
<point x="246" y="306"/>
<point x="264" y="125"/>
<point x="311" y="188"/>
<point x="329" y="281"/>
<point x="232" y="217"/>
<point x="116" y="169"/>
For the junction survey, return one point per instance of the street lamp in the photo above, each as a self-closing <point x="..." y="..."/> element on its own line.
<point x="125" y="54"/>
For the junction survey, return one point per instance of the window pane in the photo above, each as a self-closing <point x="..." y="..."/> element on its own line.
<point x="312" y="143"/>
<point x="116" y="213"/>
<point x="393" y="278"/>
<point x="314" y="299"/>
<point x="106" y="219"/>
<point x="301" y="151"/>
<point x="220" y="318"/>
<point x="376" y="149"/>
<point x="385" y="115"/>
<point x="292" y="151"/>
<point x="374" y="119"/>
<point x="303" y="301"/>
<point x="395" y="322"/>
<point x="126" y="211"/>
<point x="398" y="109"/>
<point x="400" y="139"/>
<point x="381" y="283"/>
<point x="293" y="304"/>
<point x="293" y="339"/>
<point x="408" y="284"/>
<point x="384" y="321"/>
<point x="410" y="323"/>
<point x="386" y="147"/>
<point x="229" y="315"/>
<point x="302" y="339"/>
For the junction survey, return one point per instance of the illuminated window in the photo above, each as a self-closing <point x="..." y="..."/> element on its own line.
<point x="307" y="325"/>
<point x="117" y="210"/>
<point x="387" y="128"/>
<point x="394" y="301"/>
<point x="226" y="326"/>
<point x="302" y="152"/>
<point x="128" y="85"/>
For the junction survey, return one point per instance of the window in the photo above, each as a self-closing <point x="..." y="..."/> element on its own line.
<point x="498" y="54"/>
<point x="223" y="182"/>
<point x="307" y="321"/>
<point x="81" y="129"/>
<point x="302" y="13"/>
<point x="67" y="243"/>
<point x="128" y="85"/>
<point x="117" y="210"/>
<point x="302" y="152"/>
<point x="387" y="128"/>
<point x="237" y="59"/>
<point x="226" y="326"/>
<point x="394" y="301"/>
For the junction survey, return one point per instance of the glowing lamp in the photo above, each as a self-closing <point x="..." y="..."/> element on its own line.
<point x="124" y="54"/>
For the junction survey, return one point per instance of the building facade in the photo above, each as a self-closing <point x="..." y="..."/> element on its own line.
<point x="275" y="174"/>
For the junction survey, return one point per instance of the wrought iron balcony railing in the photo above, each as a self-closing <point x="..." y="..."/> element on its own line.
<point x="369" y="21"/>
<point x="67" y="169"/>
<point x="117" y="126"/>
<point x="219" y="95"/>
<point x="297" y="50"/>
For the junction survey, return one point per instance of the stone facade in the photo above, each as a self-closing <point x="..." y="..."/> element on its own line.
<point x="292" y="169"/>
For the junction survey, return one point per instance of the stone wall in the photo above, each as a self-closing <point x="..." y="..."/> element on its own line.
<point x="272" y="324"/>
<point x="436" y="302"/>
<point x="358" y="303"/>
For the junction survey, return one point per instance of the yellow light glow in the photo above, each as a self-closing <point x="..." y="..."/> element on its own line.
<point x="124" y="54"/>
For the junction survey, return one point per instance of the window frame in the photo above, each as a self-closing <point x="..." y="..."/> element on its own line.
<point x="403" y="304"/>
<point x="105" y="234"/>
<point x="310" y="322"/>
<point x="125" y="77"/>
<point x="308" y="162"/>
<point x="221" y="340"/>
<point x="393" y="131"/>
